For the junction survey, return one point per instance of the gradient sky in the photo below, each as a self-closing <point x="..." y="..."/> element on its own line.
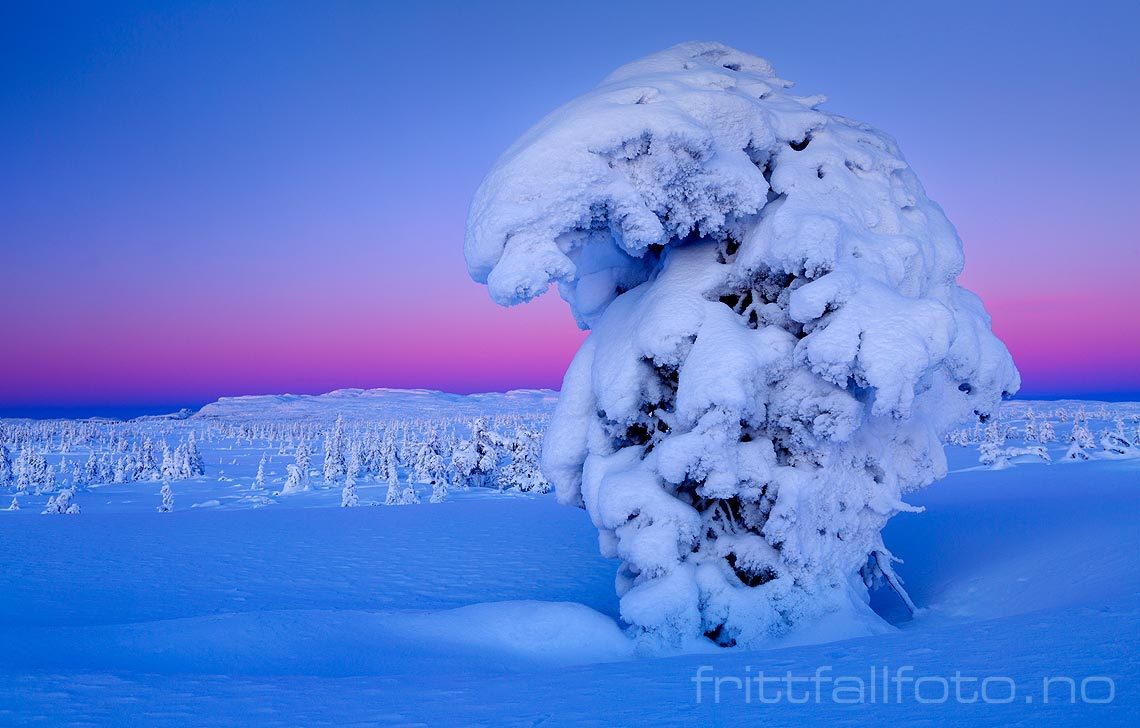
<point x="208" y="199"/>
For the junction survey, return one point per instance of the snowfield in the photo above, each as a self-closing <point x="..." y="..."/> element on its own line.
<point x="493" y="607"/>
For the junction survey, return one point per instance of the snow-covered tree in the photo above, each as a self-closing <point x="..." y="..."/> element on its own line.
<point x="259" y="479"/>
<point x="334" y="464"/>
<point x="1076" y="451"/>
<point x="348" y="497"/>
<point x="409" y="496"/>
<point x="294" y="481"/>
<point x="194" y="463"/>
<point x="49" y="481"/>
<point x="394" y="496"/>
<point x="120" y="472"/>
<point x="167" y="498"/>
<point x="1031" y="433"/>
<point x="523" y="472"/>
<point x="14" y="505"/>
<point x="5" y="467"/>
<point x="428" y="464"/>
<point x="1116" y="442"/>
<point x="474" y="460"/>
<point x="777" y="344"/>
<point x="30" y="468"/>
<point x="304" y="461"/>
<point x="147" y="465"/>
<point x="1045" y="433"/>
<point x="91" y="469"/>
<point x="354" y="462"/>
<point x="991" y="451"/>
<point x="62" y="503"/>
<point x="1081" y="439"/>
<point x="169" y="469"/>
<point x="439" y="491"/>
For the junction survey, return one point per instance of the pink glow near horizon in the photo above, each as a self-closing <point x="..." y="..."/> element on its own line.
<point x="189" y="208"/>
<point x="1076" y="345"/>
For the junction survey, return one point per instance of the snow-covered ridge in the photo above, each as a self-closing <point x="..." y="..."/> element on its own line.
<point x="381" y="403"/>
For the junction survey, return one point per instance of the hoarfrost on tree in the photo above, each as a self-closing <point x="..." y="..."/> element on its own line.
<point x="167" y="495"/>
<point x="777" y="340"/>
<point x="348" y="497"/>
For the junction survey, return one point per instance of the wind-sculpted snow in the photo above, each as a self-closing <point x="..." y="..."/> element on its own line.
<point x="778" y="343"/>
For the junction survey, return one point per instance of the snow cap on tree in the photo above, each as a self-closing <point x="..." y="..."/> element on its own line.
<point x="778" y="342"/>
<point x="348" y="496"/>
<point x="167" y="495"/>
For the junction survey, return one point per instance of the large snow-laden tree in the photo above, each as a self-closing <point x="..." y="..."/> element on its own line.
<point x="778" y="343"/>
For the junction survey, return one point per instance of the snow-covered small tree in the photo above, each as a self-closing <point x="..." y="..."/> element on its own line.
<point x="120" y="472"/>
<point x="304" y="461"/>
<point x="354" y="462"/>
<point x="259" y="478"/>
<point x="1116" y="442"/>
<point x="439" y="490"/>
<point x="61" y="503"/>
<point x="1076" y="451"/>
<point x="5" y="467"/>
<point x="348" y="497"/>
<point x="1031" y="433"/>
<point x="294" y="481"/>
<point x="14" y="505"/>
<point x="427" y="464"/>
<point x="474" y="460"/>
<point x="49" y="481"/>
<point x="1045" y="433"/>
<point x="91" y="469"/>
<point x="409" y="496"/>
<point x="169" y="469"/>
<point x="150" y="463"/>
<point x="778" y="343"/>
<point x="195" y="465"/>
<point x="334" y="464"/>
<point x="167" y="498"/>
<point x="523" y="473"/>
<point x="394" y="495"/>
<point x="1081" y="434"/>
<point x="991" y="451"/>
<point x="29" y="468"/>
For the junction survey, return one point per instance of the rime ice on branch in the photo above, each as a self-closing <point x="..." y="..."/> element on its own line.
<point x="778" y="342"/>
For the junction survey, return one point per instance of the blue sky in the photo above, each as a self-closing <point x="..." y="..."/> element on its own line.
<point x="203" y="199"/>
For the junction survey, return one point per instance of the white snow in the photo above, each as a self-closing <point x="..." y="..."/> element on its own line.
<point x="498" y="610"/>
<point x="777" y="347"/>
<point x="389" y="403"/>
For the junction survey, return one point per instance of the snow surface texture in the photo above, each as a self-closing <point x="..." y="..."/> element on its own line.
<point x="778" y="343"/>
<point x="493" y="608"/>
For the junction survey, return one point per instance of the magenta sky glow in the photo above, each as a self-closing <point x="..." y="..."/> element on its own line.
<point x="216" y="200"/>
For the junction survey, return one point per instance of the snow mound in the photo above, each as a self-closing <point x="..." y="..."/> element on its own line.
<point x="562" y="633"/>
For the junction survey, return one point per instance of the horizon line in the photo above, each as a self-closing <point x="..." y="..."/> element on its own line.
<point x="131" y="410"/>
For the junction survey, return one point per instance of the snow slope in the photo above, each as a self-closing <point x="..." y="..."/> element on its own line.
<point x="378" y="403"/>
<point x="495" y="609"/>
